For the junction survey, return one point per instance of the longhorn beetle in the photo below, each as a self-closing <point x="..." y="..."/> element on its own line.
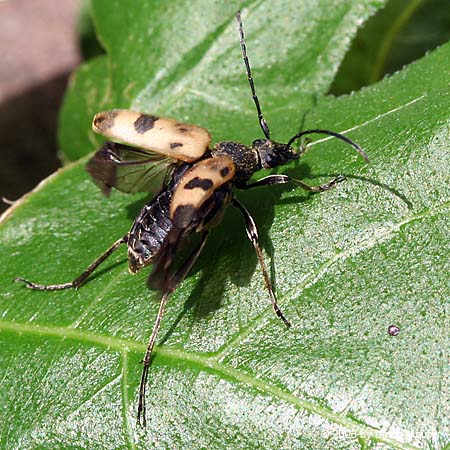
<point x="191" y="184"/>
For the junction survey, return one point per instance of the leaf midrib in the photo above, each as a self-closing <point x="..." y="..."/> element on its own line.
<point x="208" y="362"/>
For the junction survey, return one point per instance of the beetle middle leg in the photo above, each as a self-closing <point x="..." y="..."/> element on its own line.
<point x="252" y="234"/>
<point x="173" y="282"/>
<point x="75" y="284"/>
<point x="282" y="179"/>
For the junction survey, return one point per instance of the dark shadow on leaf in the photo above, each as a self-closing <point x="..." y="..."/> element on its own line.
<point x="304" y="172"/>
<point x="134" y="207"/>
<point x="105" y="269"/>
<point x="374" y="182"/>
<point x="392" y="190"/>
<point x="230" y="238"/>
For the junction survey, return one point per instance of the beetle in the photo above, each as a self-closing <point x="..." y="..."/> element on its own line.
<point x="191" y="184"/>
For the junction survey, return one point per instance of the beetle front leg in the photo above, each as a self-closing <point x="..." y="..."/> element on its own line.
<point x="283" y="179"/>
<point x="75" y="284"/>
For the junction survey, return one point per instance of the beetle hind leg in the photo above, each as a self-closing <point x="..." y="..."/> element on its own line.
<point x="81" y="279"/>
<point x="173" y="282"/>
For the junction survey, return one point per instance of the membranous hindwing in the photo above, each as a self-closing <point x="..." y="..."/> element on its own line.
<point x="129" y="169"/>
<point x="147" y="150"/>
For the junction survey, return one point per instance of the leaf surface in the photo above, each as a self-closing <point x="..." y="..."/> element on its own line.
<point x="347" y="263"/>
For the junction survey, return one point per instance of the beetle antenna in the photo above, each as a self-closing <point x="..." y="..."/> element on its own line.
<point x="262" y="122"/>
<point x="334" y="134"/>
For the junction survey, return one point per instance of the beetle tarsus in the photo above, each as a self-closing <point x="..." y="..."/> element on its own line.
<point x="321" y="187"/>
<point x="279" y="313"/>
<point x="43" y="287"/>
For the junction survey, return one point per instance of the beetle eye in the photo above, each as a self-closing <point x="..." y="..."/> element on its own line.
<point x="257" y="142"/>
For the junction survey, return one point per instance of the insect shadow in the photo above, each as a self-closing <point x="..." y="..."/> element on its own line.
<point x="236" y="243"/>
<point x="372" y="181"/>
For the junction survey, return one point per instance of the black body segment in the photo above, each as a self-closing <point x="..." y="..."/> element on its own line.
<point x="245" y="158"/>
<point x="186" y="221"/>
<point x="149" y="231"/>
<point x="273" y="154"/>
<point x="152" y="225"/>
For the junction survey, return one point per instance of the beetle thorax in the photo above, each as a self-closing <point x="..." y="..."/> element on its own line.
<point x="244" y="158"/>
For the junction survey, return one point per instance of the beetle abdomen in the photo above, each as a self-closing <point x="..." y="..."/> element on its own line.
<point x="149" y="231"/>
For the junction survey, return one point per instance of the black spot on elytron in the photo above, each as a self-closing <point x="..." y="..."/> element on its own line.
<point x="183" y="216"/>
<point x="104" y="121"/>
<point x="144" y="123"/>
<point x="224" y="172"/>
<point x="176" y="144"/>
<point x="202" y="183"/>
<point x="182" y="128"/>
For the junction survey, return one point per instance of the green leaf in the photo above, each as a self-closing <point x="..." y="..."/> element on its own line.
<point x="399" y="34"/>
<point x="348" y="262"/>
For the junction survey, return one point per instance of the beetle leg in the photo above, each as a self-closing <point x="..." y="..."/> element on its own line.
<point x="176" y="279"/>
<point x="282" y="179"/>
<point x="75" y="284"/>
<point x="252" y="234"/>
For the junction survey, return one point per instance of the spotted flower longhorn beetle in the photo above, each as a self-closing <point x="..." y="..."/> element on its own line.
<point x="191" y="184"/>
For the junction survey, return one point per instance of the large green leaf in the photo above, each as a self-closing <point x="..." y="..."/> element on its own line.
<point x="348" y="262"/>
<point x="400" y="33"/>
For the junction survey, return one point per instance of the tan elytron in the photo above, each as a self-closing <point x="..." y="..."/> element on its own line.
<point x="199" y="183"/>
<point x="158" y="134"/>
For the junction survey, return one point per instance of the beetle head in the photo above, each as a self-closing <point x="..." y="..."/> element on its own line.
<point x="273" y="154"/>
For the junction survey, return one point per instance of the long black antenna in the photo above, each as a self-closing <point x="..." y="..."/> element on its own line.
<point x="334" y="134"/>
<point x="262" y="122"/>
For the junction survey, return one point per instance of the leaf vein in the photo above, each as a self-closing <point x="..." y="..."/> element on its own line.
<point x="215" y="366"/>
<point x="125" y="401"/>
